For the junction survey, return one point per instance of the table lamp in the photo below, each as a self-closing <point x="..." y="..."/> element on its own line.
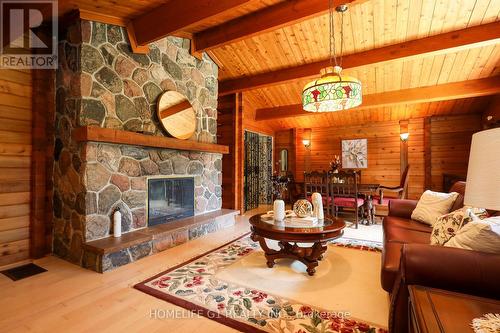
<point x="483" y="175"/>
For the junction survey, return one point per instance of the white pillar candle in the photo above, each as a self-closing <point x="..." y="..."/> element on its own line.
<point x="117" y="223"/>
<point x="279" y="210"/>
<point x="317" y="202"/>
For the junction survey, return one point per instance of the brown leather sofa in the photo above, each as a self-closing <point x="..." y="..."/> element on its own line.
<point x="408" y="258"/>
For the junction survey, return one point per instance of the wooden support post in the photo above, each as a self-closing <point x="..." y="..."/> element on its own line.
<point x="427" y="154"/>
<point x="43" y="106"/>
<point x="403" y="129"/>
<point x="307" y="159"/>
<point x="299" y="155"/>
<point x="240" y="157"/>
<point x="292" y="156"/>
<point x="230" y="133"/>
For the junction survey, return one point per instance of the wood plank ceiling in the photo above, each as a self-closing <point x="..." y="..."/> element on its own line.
<point x="368" y="24"/>
<point x="130" y="9"/>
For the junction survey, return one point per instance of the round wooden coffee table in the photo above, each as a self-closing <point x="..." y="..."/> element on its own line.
<point x="288" y="237"/>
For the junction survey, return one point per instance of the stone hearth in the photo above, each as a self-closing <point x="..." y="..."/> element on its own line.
<point x="108" y="253"/>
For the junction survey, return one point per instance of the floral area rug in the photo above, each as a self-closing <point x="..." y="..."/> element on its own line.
<point x="365" y="237"/>
<point x="359" y="244"/>
<point x="199" y="286"/>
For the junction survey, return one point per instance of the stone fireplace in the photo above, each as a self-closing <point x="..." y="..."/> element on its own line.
<point x="169" y="199"/>
<point x="101" y="83"/>
<point x="118" y="176"/>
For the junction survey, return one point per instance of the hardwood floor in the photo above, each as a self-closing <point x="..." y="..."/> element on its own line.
<point x="68" y="298"/>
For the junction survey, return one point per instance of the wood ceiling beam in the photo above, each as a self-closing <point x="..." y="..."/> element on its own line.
<point x="99" y="17"/>
<point x="448" y="91"/>
<point x="174" y="16"/>
<point x="466" y="38"/>
<point x="270" y="18"/>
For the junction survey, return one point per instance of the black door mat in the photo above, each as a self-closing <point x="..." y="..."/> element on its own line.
<point x="22" y="272"/>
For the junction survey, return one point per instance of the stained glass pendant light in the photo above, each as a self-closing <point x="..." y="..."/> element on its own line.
<point x="332" y="91"/>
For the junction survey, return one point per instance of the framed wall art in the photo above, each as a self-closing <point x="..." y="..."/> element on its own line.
<point x="354" y="154"/>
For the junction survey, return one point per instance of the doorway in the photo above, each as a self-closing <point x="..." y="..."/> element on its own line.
<point x="258" y="170"/>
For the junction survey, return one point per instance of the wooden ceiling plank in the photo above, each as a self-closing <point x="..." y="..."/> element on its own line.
<point x="457" y="70"/>
<point x="491" y="14"/>
<point x="270" y="18"/>
<point x="305" y="37"/>
<point x="425" y="71"/>
<point x="390" y="22"/>
<point x="482" y="35"/>
<point x="320" y="43"/>
<point x="406" y="75"/>
<point x="426" y="18"/>
<point x="464" y="14"/>
<point x="402" y="10"/>
<point x="378" y="23"/>
<point x="354" y="20"/>
<point x="437" y="66"/>
<point x="480" y="9"/>
<point x="448" y="91"/>
<point x="437" y="22"/>
<point x="445" y="72"/>
<point x="175" y="16"/>
<point x="416" y="68"/>
<point x="491" y="63"/>
<point x="469" y="63"/>
<point x="368" y="22"/>
<point x="452" y="12"/>
<point x="282" y="52"/>
<point x="414" y="19"/>
<point x="475" y="70"/>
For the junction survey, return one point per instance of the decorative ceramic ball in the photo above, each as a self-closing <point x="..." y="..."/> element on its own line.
<point x="302" y="208"/>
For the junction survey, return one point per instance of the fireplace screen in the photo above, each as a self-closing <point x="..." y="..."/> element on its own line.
<point x="170" y="199"/>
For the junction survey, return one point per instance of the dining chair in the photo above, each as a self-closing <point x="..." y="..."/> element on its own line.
<point x="317" y="181"/>
<point x="399" y="190"/>
<point x="343" y="190"/>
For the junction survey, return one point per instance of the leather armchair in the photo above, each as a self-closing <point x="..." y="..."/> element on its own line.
<point x="464" y="271"/>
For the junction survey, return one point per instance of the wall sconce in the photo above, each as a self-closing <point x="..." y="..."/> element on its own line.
<point x="306" y="138"/>
<point x="404" y="136"/>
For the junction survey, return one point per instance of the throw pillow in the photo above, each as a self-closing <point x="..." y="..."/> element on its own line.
<point x="483" y="236"/>
<point x="433" y="205"/>
<point x="446" y="226"/>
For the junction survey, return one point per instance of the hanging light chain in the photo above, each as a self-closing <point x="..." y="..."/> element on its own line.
<point x="333" y="92"/>
<point x="333" y="53"/>
<point x="341" y="37"/>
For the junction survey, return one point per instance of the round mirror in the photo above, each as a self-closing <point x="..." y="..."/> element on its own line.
<point x="176" y="115"/>
<point x="284" y="160"/>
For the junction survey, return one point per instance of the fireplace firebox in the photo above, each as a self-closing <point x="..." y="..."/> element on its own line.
<point x="170" y="199"/>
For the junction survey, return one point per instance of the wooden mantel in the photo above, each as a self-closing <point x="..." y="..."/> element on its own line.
<point x="98" y="134"/>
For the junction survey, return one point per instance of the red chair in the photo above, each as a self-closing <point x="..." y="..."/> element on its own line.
<point x="344" y="193"/>
<point x="317" y="182"/>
